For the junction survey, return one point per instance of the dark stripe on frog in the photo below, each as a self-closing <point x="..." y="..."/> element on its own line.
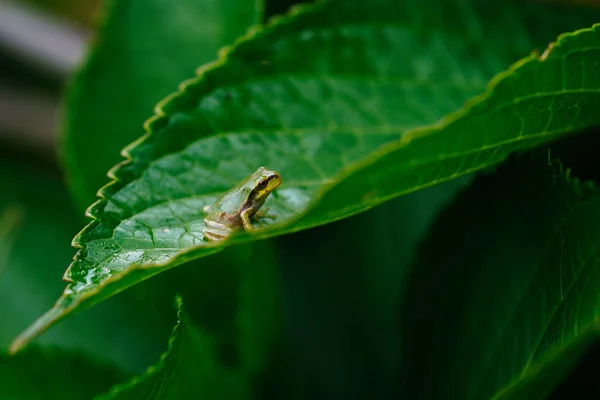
<point x="255" y="193"/>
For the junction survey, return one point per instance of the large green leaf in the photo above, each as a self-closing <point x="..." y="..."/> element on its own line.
<point x="189" y="369"/>
<point x="323" y="97"/>
<point x="50" y="373"/>
<point x="145" y="49"/>
<point x="506" y="291"/>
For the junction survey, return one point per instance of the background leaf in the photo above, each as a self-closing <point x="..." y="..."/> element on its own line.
<point x="188" y="369"/>
<point x="226" y="123"/>
<point x="144" y="50"/>
<point x="228" y="334"/>
<point x="48" y="374"/>
<point x="342" y="288"/>
<point x="504" y="296"/>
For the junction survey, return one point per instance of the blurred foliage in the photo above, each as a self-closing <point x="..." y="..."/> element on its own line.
<point x="52" y="373"/>
<point x="81" y="11"/>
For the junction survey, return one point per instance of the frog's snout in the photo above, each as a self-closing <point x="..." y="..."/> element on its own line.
<point x="275" y="181"/>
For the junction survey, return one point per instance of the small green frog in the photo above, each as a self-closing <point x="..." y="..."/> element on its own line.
<point x="233" y="210"/>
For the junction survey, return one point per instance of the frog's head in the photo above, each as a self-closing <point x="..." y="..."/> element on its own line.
<point x="266" y="181"/>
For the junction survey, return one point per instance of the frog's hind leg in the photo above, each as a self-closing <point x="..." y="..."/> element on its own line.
<point x="215" y="231"/>
<point x="213" y="235"/>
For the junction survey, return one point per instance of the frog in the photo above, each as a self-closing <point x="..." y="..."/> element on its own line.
<point x="234" y="209"/>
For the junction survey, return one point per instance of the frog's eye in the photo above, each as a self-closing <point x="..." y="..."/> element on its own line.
<point x="262" y="183"/>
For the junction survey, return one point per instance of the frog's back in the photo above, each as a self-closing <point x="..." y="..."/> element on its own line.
<point x="228" y="203"/>
<point x="227" y="207"/>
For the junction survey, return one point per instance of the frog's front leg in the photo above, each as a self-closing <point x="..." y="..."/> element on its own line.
<point x="245" y="216"/>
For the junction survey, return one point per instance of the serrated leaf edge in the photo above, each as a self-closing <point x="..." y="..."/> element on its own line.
<point x="164" y="357"/>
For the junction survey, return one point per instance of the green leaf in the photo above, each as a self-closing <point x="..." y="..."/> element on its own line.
<point x="190" y="368"/>
<point x="322" y="97"/>
<point x="145" y="49"/>
<point x="51" y="373"/>
<point x="506" y="291"/>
